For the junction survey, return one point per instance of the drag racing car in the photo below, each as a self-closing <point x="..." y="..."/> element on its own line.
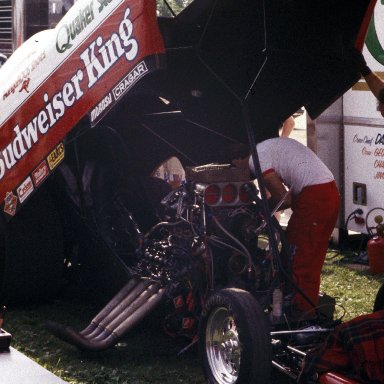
<point x="91" y="108"/>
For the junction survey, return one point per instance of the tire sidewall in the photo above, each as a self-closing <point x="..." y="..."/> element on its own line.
<point x="379" y="301"/>
<point x="253" y="334"/>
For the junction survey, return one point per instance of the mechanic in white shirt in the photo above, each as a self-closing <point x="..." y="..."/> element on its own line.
<point x="314" y="199"/>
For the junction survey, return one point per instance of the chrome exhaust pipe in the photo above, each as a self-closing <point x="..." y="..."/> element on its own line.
<point x="124" y="292"/>
<point x="130" y="305"/>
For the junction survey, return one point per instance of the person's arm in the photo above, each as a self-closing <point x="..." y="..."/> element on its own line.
<point x="375" y="84"/>
<point x="288" y="126"/>
<point x="277" y="190"/>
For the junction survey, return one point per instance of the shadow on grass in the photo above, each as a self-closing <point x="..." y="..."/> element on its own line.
<point x="145" y="355"/>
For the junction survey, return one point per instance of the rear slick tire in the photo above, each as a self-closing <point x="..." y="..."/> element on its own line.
<point x="379" y="301"/>
<point x="234" y="339"/>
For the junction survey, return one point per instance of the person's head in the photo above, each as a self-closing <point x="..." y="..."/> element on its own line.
<point x="239" y="155"/>
<point x="242" y="163"/>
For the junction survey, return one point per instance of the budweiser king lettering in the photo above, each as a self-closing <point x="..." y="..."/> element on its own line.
<point x="98" y="51"/>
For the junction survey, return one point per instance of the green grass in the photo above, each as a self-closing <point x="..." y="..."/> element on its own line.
<point x="147" y="355"/>
<point x="353" y="287"/>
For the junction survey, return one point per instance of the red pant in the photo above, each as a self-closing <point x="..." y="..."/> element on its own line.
<point x="314" y="216"/>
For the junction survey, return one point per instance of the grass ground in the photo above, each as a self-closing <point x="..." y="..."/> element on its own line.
<point x="353" y="287"/>
<point x="147" y="355"/>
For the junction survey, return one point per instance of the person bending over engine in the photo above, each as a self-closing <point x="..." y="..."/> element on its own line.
<point x="314" y="199"/>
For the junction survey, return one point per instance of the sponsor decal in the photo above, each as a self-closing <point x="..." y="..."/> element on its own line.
<point x="56" y="156"/>
<point x="10" y="204"/>
<point x="97" y="59"/>
<point x="68" y="32"/>
<point x="125" y="84"/>
<point x="40" y="173"/>
<point x="25" y="77"/>
<point x="101" y="55"/>
<point x="24" y="85"/>
<point x="101" y="107"/>
<point x="374" y="40"/>
<point x="25" y="189"/>
<point x="119" y="90"/>
<point x="103" y="4"/>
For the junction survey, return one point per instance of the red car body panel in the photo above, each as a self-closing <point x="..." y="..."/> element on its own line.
<point x="100" y="50"/>
<point x="92" y="58"/>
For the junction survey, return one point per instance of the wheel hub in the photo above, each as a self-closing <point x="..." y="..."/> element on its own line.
<point x="223" y="346"/>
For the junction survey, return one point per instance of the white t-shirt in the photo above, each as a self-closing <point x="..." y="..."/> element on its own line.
<point x="293" y="162"/>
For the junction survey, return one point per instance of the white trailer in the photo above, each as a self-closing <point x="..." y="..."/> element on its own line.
<point x="349" y="138"/>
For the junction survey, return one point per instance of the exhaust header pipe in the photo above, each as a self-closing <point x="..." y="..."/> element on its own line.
<point x="130" y="305"/>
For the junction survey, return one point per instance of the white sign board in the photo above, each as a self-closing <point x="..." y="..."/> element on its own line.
<point x="364" y="134"/>
<point x="364" y="171"/>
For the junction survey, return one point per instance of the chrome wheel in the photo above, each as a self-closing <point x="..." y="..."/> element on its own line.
<point x="223" y="346"/>
<point x="234" y="339"/>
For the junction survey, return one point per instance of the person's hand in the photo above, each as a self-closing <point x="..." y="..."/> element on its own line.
<point x="241" y="163"/>
<point x="381" y="96"/>
<point x="380" y="105"/>
<point x="357" y="60"/>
